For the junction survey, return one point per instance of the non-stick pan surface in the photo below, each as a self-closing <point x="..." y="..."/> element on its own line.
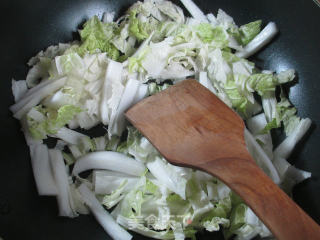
<point x="29" y="26"/>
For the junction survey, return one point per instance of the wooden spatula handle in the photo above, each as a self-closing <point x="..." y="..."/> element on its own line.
<point x="285" y="219"/>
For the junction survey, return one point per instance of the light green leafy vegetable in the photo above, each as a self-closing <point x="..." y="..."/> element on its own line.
<point x="249" y="31"/>
<point x="239" y="100"/>
<point x="111" y="200"/>
<point x="207" y="34"/>
<point x="286" y="114"/>
<point x="270" y="125"/>
<point x="140" y="30"/>
<point x="96" y="36"/>
<point x="52" y="120"/>
<point x="262" y="83"/>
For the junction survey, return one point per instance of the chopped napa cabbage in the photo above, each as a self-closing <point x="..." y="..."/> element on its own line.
<point x="38" y="72"/>
<point x="69" y="136"/>
<point x="245" y="224"/>
<point x="138" y="146"/>
<point x="286" y="147"/>
<point x="135" y="61"/>
<point x="68" y="62"/>
<point x="44" y="121"/>
<point x="171" y="10"/>
<point x="172" y="177"/>
<point x="115" y="197"/>
<point x="118" y="123"/>
<point x="260" y="156"/>
<point x="78" y="203"/>
<point x="287" y="114"/>
<point x="262" y="83"/>
<point x="249" y="31"/>
<point x="154" y="88"/>
<point x="214" y="224"/>
<point x="156" y="59"/>
<point x="225" y="20"/>
<point x="109" y="161"/>
<point x="42" y="170"/>
<point x="102" y="216"/>
<point x="257" y="126"/>
<point x="64" y="198"/>
<point x="50" y="52"/>
<point x="35" y="95"/>
<point x="124" y="42"/>
<point x="118" y="63"/>
<point x="137" y="28"/>
<point x="96" y="36"/>
<point x="194" y="10"/>
<point x="259" y="41"/>
<point x="284" y="113"/>
<point x="111" y="92"/>
<point x="19" y="88"/>
<point x="208" y="33"/>
<point x="290" y="175"/>
<point x="149" y="17"/>
<point x="107" y="182"/>
<point x="108" y="16"/>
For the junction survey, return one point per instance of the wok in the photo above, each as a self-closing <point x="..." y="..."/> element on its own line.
<point x="29" y="26"/>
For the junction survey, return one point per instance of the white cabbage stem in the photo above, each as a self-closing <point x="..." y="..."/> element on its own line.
<point x="262" y="39"/>
<point x="29" y="101"/>
<point x="286" y="147"/>
<point x="69" y="136"/>
<point x="60" y="174"/>
<point x="42" y="171"/>
<point x="261" y="157"/>
<point x="194" y="10"/>
<point x="108" y="160"/>
<point x="102" y="216"/>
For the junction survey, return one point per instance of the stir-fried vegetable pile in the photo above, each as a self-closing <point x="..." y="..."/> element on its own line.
<point x="82" y="84"/>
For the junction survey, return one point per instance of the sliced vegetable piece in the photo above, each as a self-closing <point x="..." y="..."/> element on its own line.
<point x="194" y="10"/>
<point x="262" y="39"/>
<point x="62" y="182"/>
<point x="42" y="171"/>
<point x="109" y="161"/>
<point x="29" y="101"/>
<point x="102" y="216"/>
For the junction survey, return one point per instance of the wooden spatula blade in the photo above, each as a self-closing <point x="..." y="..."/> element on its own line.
<point x="187" y="119"/>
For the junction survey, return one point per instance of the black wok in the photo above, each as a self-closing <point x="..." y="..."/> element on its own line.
<point x="29" y="26"/>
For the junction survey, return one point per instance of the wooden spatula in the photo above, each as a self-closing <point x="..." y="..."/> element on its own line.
<point x="191" y="127"/>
